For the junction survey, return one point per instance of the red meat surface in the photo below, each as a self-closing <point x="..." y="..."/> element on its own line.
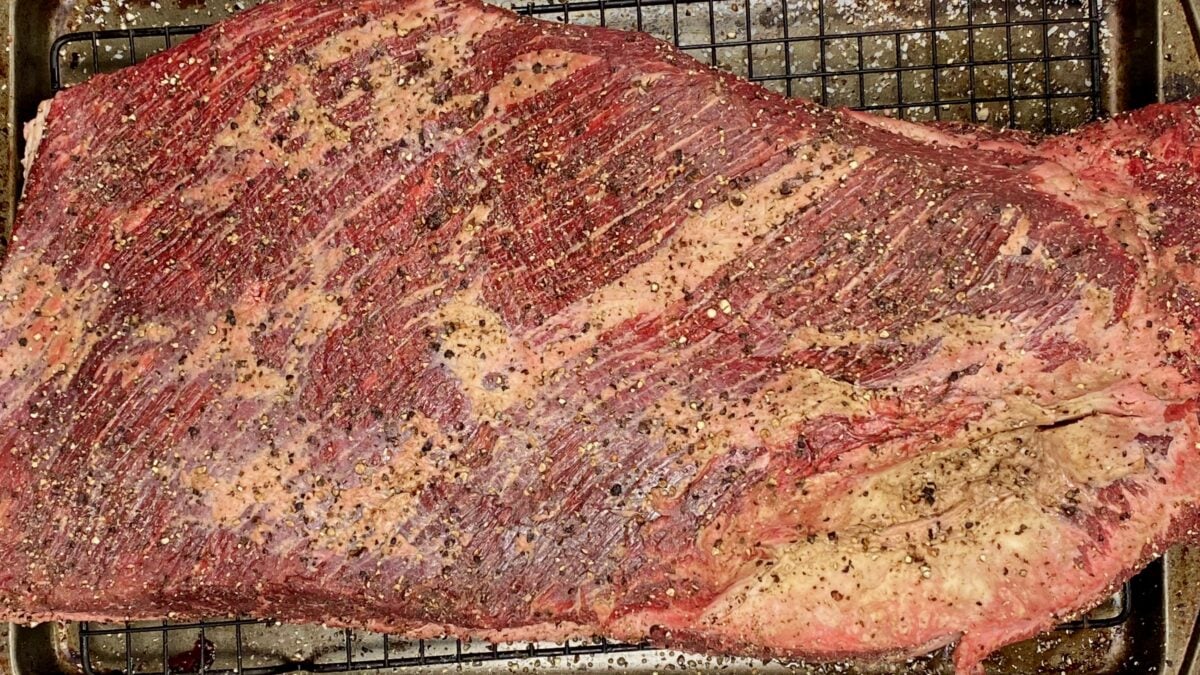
<point x="418" y="316"/>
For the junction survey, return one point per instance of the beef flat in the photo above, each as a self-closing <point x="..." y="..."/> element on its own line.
<point x="418" y="316"/>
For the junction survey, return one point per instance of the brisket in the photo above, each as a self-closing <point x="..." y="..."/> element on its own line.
<point x="418" y="316"/>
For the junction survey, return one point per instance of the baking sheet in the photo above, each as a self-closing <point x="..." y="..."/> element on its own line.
<point x="1131" y="76"/>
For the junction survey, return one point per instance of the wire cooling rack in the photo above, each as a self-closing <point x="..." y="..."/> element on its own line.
<point x="255" y="647"/>
<point x="249" y="648"/>
<point x="1032" y="64"/>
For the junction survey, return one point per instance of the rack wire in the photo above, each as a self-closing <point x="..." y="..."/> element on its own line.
<point x="1032" y="64"/>
<point x="163" y="648"/>
<point x="187" y="648"/>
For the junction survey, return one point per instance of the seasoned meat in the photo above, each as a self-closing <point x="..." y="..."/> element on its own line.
<point x="418" y="316"/>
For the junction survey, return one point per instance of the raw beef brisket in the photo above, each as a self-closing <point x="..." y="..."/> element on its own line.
<point x="414" y="315"/>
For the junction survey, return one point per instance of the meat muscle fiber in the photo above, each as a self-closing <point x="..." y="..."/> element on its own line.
<point x="417" y="316"/>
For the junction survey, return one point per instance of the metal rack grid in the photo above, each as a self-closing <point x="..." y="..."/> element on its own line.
<point x="1033" y="64"/>
<point x="386" y="651"/>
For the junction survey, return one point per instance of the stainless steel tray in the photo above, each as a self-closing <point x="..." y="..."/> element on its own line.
<point x="848" y="55"/>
